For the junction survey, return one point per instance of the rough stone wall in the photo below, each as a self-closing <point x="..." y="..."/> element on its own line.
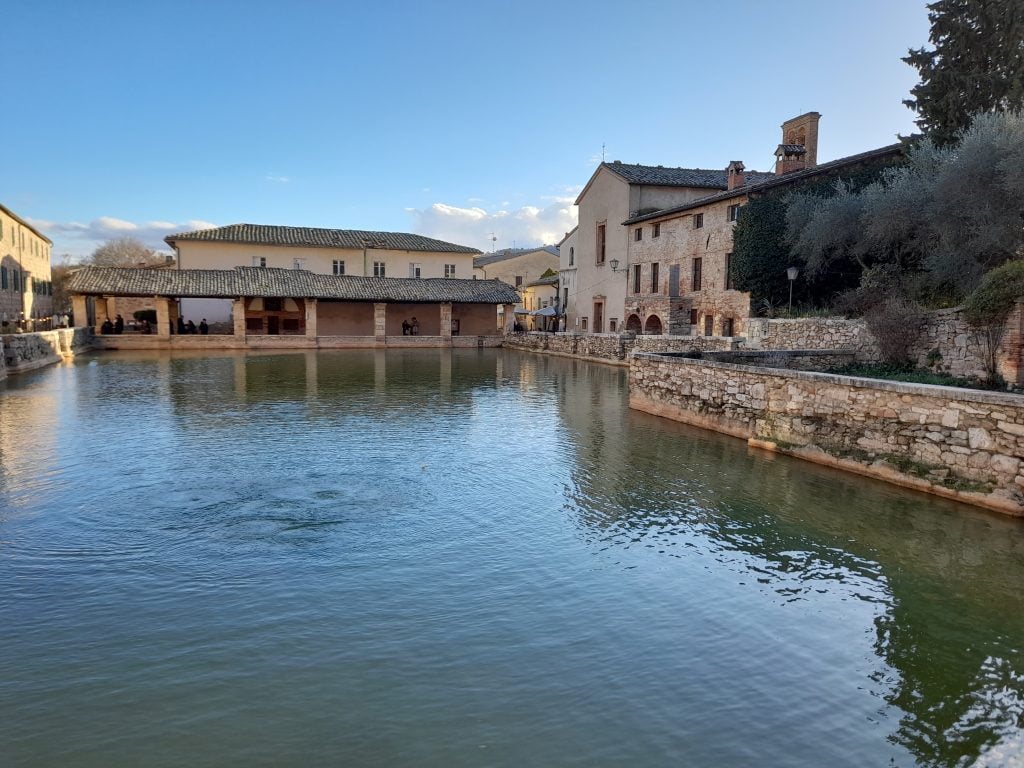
<point x="794" y="360"/>
<point x="28" y="351"/>
<point x="959" y="443"/>
<point x="611" y="347"/>
<point x="960" y="349"/>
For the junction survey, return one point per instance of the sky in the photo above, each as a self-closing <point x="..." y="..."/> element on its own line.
<point x="465" y="121"/>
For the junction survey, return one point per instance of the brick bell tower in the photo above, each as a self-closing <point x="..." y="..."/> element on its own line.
<point x="799" y="147"/>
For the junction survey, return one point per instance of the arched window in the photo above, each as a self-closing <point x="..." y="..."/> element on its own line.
<point x="653" y="326"/>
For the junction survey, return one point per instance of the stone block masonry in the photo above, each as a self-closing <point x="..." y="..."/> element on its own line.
<point x="21" y="352"/>
<point x="957" y="443"/>
<point x="613" y="348"/>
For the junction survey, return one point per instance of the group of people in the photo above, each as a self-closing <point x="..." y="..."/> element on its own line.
<point x="411" y="328"/>
<point x="112" y="327"/>
<point x="190" y="327"/>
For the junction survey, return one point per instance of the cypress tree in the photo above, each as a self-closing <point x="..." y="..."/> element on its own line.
<point x="976" y="65"/>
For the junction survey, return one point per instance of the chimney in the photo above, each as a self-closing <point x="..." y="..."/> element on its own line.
<point x="799" y="147"/>
<point x="734" y="176"/>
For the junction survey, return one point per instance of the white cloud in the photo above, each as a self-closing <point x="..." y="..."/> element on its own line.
<point x="277" y="179"/>
<point x="80" y="239"/>
<point x="527" y="225"/>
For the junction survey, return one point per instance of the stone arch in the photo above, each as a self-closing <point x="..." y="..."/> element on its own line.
<point x="653" y="326"/>
<point x="634" y="324"/>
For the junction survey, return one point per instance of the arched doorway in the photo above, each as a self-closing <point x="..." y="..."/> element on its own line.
<point x="653" y="326"/>
<point x="634" y="324"/>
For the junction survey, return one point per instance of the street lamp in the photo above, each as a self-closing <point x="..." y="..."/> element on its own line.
<point x="614" y="264"/>
<point x="792" y="274"/>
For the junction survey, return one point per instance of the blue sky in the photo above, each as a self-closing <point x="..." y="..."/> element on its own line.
<point x="451" y="119"/>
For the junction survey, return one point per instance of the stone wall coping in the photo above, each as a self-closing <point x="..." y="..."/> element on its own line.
<point x="902" y="387"/>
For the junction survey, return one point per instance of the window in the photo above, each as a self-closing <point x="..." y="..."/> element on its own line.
<point x="654" y="278"/>
<point x="298" y="263"/>
<point x="254" y="324"/>
<point x="338" y="267"/>
<point x="415" y="270"/>
<point x="449" y="270"/>
<point x="565" y="299"/>
<point x="728" y="272"/>
<point x="698" y="266"/>
<point x="378" y="269"/>
<point x="583" y="323"/>
<point x="600" y="243"/>
<point x="3" y="278"/>
<point x="272" y="305"/>
<point x="572" y="255"/>
<point x="638" y="234"/>
<point x="16" y="279"/>
<point x="693" y="317"/>
<point x="657" y="230"/>
<point x="709" y="325"/>
<point x="698" y="220"/>
<point x="636" y="278"/>
<point x="727" y="326"/>
<point x="290" y="324"/>
<point x="613" y="324"/>
<point x="259" y="261"/>
<point x="519" y="281"/>
<point x="734" y="212"/>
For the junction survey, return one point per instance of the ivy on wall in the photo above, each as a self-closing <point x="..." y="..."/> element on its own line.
<point x="761" y="253"/>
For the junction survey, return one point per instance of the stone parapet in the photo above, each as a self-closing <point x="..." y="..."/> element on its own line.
<point x="613" y="348"/>
<point x="212" y="341"/>
<point x="959" y="443"/>
<point x="23" y="352"/>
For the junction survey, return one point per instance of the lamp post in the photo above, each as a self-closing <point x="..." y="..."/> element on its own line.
<point x="614" y="264"/>
<point x="791" y="273"/>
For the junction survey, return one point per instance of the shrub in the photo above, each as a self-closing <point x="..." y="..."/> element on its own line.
<point x="895" y="322"/>
<point x="987" y="308"/>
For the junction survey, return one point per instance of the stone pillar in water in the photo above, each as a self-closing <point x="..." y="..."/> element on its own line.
<point x="310" y="318"/>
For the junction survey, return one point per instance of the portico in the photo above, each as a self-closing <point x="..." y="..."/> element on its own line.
<point x="296" y="308"/>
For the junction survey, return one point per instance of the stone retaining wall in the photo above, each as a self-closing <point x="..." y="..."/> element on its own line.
<point x="21" y="352"/>
<point x="946" y="343"/>
<point x="791" y="359"/>
<point x="964" y="444"/>
<point x="614" y="348"/>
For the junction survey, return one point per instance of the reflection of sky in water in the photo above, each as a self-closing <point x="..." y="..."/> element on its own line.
<point x="472" y="551"/>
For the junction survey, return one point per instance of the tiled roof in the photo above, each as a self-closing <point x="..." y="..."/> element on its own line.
<point x="772" y="181"/>
<point x="550" y="280"/>
<point x="294" y="283"/>
<point x="511" y="253"/>
<point x="675" y="177"/>
<point x="315" y="237"/>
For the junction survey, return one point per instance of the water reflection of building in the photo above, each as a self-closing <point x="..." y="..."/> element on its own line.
<point x="938" y="572"/>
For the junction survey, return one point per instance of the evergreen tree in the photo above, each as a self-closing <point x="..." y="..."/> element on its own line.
<point x="976" y="65"/>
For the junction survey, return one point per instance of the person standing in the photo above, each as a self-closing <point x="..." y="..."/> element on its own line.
<point x="118" y="324"/>
<point x="204" y="329"/>
<point x="181" y="326"/>
<point x="415" y="327"/>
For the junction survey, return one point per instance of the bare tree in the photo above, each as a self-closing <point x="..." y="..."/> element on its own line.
<point x="125" y="252"/>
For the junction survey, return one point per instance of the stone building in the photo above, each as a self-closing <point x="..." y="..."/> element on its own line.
<point x="275" y="307"/>
<point x="679" y="274"/>
<point x="342" y="252"/>
<point x="567" y="274"/>
<point x="616" y="192"/>
<point x="26" y="289"/>
<point x="540" y="301"/>
<point x="515" y="266"/>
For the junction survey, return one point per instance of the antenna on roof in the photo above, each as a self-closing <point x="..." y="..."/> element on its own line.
<point x="602" y="151"/>
<point x="494" y="240"/>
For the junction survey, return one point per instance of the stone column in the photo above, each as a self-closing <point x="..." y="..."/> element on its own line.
<point x="101" y="312"/>
<point x="510" y="317"/>
<point x="172" y="313"/>
<point x="310" y="318"/>
<point x="446" y="319"/>
<point x="380" y="320"/>
<point x="163" y="317"/>
<point x="80" y="309"/>
<point x="238" y="317"/>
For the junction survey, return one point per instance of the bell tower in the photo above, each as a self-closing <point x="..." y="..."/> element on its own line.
<point x="799" y="147"/>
